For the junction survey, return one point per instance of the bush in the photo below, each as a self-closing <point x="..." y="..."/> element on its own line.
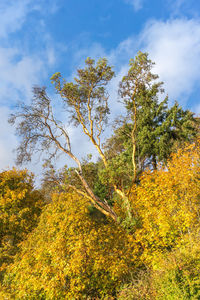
<point x="178" y="277"/>
<point x="71" y="255"/>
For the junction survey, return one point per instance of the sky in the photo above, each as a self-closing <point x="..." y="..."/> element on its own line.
<point x="41" y="37"/>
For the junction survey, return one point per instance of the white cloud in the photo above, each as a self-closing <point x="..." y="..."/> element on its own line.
<point x="120" y="56"/>
<point x="8" y="140"/>
<point x="181" y="8"/>
<point x="95" y="51"/>
<point x="20" y="68"/>
<point x="137" y="4"/>
<point x="175" y="47"/>
<point x="16" y="80"/>
<point x="18" y="73"/>
<point x="13" y="15"/>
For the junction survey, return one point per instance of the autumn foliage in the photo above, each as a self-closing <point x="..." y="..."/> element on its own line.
<point x="77" y="253"/>
<point x="20" y="206"/>
<point x="71" y="255"/>
<point x="123" y="227"/>
<point x="167" y="202"/>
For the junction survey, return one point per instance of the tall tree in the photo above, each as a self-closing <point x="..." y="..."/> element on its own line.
<point x="86" y="100"/>
<point x="151" y="126"/>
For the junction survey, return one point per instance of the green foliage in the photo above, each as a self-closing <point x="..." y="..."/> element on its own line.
<point x="92" y="173"/>
<point x="166" y="203"/>
<point x="151" y="250"/>
<point x="89" y="84"/>
<point x="149" y="134"/>
<point x="178" y="275"/>
<point x="74" y="253"/>
<point x="157" y="129"/>
<point x="118" y="172"/>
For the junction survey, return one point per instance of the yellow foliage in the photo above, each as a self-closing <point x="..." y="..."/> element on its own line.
<point x="167" y="202"/>
<point x="75" y="253"/>
<point x="71" y="254"/>
<point x="20" y="206"/>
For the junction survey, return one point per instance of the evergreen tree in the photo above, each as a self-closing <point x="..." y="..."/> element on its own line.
<point x="151" y="130"/>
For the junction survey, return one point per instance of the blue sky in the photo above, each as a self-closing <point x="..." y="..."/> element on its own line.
<point x="41" y="37"/>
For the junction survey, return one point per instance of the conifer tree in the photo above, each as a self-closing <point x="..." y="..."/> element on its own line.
<point x="151" y="130"/>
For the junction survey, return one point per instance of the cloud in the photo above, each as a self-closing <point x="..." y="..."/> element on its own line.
<point x="8" y="140"/>
<point x="13" y="15"/>
<point x="137" y="4"/>
<point x="20" y="67"/>
<point x="80" y="53"/>
<point x="18" y="73"/>
<point x="175" y="47"/>
<point x="119" y="57"/>
<point x="23" y="63"/>
<point x="180" y="8"/>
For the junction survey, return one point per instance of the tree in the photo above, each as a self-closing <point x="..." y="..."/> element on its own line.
<point x="151" y="130"/>
<point x="63" y="179"/>
<point x="167" y="205"/>
<point x="71" y="255"/>
<point x="167" y="202"/>
<point x="20" y="206"/>
<point x="87" y="101"/>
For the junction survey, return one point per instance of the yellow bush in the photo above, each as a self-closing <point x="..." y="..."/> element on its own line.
<point x="167" y="203"/>
<point x="20" y="206"/>
<point x="71" y="255"/>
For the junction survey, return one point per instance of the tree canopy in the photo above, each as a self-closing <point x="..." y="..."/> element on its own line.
<point x="123" y="227"/>
<point x="149" y="136"/>
<point x="75" y="254"/>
